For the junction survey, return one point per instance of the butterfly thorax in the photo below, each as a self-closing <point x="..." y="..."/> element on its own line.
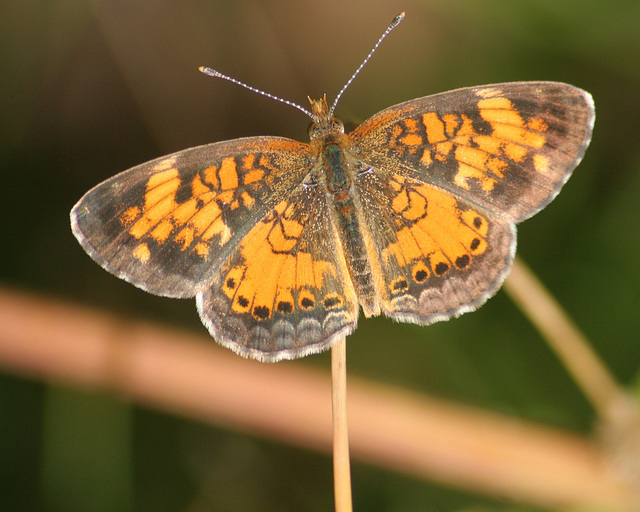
<point x="330" y="143"/>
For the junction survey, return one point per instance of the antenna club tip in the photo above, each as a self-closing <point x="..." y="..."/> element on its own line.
<point x="398" y="19"/>
<point x="207" y="71"/>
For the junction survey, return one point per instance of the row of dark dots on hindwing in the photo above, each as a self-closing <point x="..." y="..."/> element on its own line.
<point x="286" y="307"/>
<point x="441" y="268"/>
<point x="263" y="312"/>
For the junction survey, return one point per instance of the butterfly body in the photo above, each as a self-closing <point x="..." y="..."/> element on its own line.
<point x="340" y="171"/>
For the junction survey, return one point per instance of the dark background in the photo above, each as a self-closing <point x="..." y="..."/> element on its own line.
<point x="89" y="89"/>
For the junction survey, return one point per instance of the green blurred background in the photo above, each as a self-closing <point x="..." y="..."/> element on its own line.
<point x="91" y="88"/>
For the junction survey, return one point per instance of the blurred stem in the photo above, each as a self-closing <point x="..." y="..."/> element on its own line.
<point x="341" y="464"/>
<point x="389" y="427"/>
<point x="566" y="340"/>
<point x="618" y="411"/>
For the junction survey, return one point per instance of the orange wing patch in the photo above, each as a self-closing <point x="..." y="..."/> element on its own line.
<point x="444" y="256"/>
<point x="437" y="235"/>
<point x="508" y="124"/>
<point x="484" y="159"/>
<point x="196" y="221"/>
<point x="270" y="273"/>
<point x="163" y="217"/>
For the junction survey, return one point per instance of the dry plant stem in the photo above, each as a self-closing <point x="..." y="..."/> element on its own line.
<point x="564" y="337"/>
<point x="189" y="375"/>
<point x="341" y="464"/>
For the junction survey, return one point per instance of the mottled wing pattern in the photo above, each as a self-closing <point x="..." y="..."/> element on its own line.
<point x="285" y="291"/>
<point x="445" y="178"/>
<point x="167" y="225"/>
<point x="508" y="148"/>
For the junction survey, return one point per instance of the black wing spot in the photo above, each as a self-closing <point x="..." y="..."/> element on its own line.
<point x="421" y="276"/>
<point x="401" y="284"/>
<point x="184" y="193"/>
<point x="307" y="303"/>
<point x="463" y="261"/>
<point x="284" y="307"/>
<point x="441" y="268"/>
<point x="261" y="312"/>
<point x="331" y="302"/>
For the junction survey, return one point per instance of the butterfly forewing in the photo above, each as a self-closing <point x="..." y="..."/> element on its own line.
<point x="508" y="148"/>
<point x="167" y="225"/>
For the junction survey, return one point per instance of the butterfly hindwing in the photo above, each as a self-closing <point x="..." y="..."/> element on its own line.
<point x="285" y="291"/>
<point x="435" y="256"/>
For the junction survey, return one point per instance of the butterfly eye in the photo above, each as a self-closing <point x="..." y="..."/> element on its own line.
<point x="312" y="130"/>
<point x="337" y="125"/>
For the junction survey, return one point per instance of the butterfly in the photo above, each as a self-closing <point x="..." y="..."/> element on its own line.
<point x="411" y="215"/>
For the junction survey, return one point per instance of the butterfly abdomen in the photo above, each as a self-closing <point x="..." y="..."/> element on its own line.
<point x="339" y="186"/>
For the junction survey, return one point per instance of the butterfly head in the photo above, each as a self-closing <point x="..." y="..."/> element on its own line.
<point x="324" y="124"/>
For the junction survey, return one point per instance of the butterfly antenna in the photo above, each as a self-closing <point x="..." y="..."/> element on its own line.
<point x="217" y="74"/>
<point x="394" y="23"/>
